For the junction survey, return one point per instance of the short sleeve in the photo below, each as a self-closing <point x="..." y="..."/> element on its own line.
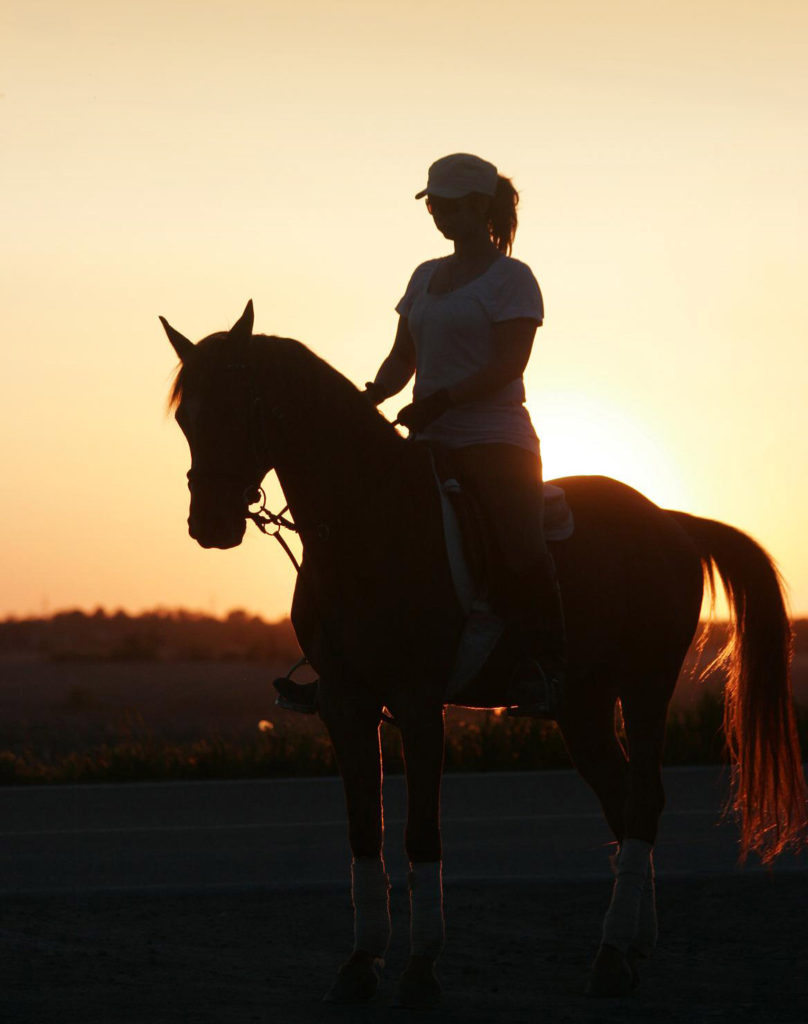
<point x="516" y="294"/>
<point x="418" y="283"/>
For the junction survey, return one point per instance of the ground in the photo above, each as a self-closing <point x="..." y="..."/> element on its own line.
<point x="732" y="949"/>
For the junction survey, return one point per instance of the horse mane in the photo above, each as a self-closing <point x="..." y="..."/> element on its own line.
<point x="291" y="362"/>
<point x="324" y="390"/>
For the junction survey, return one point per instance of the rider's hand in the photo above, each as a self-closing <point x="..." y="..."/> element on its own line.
<point x="418" y="415"/>
<point x="374" y="394"/>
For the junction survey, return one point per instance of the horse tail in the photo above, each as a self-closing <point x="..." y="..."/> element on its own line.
<point x="768" y="785"/>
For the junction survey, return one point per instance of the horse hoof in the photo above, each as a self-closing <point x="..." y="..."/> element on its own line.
<point x="612" y="975"/>
<point x="356" y="982"/>
<point x="418" y="987"/>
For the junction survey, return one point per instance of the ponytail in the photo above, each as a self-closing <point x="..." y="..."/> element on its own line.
<point x="502" y="218"/>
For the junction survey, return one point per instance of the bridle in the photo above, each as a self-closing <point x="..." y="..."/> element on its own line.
<point x="263" y="517"/>
<point x="270" y="523"/>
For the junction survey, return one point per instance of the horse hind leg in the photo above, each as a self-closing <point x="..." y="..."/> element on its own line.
<point x="597" y="753"/>
<point x="601" y="761"/>
<point x="645" y="720"/>
<point x="630" y="925"/>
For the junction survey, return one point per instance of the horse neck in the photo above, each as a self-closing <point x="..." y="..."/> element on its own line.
<point x="331" y="451"/>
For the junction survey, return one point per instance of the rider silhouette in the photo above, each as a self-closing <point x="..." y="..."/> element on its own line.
<point x="466" y="327"/>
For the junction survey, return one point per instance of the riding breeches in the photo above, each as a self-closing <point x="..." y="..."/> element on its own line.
<point x="506" y="482"/>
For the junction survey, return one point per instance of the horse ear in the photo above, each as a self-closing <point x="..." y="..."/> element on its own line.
<point x="182" y="346"/>
<point x="243" y="327"/>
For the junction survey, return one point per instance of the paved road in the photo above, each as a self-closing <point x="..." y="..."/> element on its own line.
<point x="291" y="832"/>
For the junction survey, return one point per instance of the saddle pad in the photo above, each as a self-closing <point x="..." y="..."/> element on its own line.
<point x="559" y="523"/>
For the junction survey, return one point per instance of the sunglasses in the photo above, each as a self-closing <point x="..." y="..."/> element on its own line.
<point x="437" y="204"/>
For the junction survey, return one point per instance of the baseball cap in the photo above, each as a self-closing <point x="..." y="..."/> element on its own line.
<point x="459" y="174"/>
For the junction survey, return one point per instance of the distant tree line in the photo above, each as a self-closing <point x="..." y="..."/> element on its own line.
<point x="152" y="636"/>
<point x="191" y="636"/>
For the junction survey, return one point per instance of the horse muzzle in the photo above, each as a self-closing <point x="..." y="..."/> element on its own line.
<point x="219" y="533"/>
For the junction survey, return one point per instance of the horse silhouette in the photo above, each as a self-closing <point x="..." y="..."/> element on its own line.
<point x="376" y="614"/>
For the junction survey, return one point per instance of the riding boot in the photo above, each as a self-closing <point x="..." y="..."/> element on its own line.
<point x="537" y="685"/>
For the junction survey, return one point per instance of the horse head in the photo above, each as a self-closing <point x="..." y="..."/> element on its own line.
<point x="217" y="407"/>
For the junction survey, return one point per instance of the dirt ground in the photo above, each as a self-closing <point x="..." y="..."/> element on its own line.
<point x="732" y="950"/>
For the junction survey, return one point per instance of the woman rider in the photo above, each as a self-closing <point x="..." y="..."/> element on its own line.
<point x="466" y="328"/>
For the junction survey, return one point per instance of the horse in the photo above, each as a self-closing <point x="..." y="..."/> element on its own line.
<point x="376" y="613"/>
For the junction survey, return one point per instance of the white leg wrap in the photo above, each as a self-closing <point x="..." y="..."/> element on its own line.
<point x="427" y="931"/>
<point x="622" y="917"/>
<point x="647" y="928"/>
<point x="370" y="893"/>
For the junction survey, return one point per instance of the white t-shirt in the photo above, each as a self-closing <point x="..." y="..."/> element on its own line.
<point x="453" y="339"/>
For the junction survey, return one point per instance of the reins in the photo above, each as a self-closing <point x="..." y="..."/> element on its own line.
<point x="264" y="518"/>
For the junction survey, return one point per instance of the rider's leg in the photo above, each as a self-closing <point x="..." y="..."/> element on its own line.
<point x="507" y="482"/>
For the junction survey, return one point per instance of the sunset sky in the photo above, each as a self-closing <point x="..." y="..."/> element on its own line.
<point x="178" y="158"/>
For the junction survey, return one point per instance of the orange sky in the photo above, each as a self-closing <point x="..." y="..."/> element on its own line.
<point x="179" y="158"/>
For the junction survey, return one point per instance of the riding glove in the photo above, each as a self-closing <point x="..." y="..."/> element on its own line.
<point x="418" y="415"/>
<point x="374" y="394"/>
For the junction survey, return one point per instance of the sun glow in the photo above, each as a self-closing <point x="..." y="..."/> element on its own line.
<point x="661" y="209"/>
<point x="583" y="434"/>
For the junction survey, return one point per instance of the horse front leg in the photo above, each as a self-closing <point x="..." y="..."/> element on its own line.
<point x="354" y="730"/>
<point x="422" y="734"/>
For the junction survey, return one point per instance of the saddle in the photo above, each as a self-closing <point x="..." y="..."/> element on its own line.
<point x="469" y="540"/>
<point x="470" y="548"/>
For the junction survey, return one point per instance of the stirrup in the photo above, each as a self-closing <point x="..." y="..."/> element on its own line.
<point x="300" y="697"/>
<point x="292" y="696"/>
<point x="547" y="703"/>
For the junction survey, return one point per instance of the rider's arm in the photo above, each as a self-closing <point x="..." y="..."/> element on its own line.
<point x="398" y="367"/>
<point x="513" y="340"/>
